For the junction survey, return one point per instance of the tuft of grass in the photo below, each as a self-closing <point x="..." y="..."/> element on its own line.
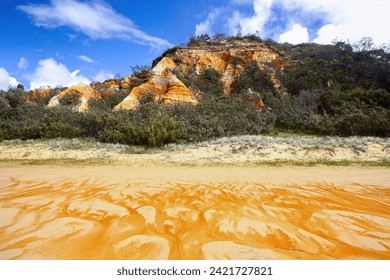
<point x="293" y="140"/>
<point x="65" y="162"/>
<point x="277" y="163"/>
<point x="64" y="144"/>
<point x="56" y="162"/>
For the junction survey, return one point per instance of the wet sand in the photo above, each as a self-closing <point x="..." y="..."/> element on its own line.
<point x="155" y="212"/>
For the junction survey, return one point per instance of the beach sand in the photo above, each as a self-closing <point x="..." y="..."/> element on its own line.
<point x="151" y="211"/>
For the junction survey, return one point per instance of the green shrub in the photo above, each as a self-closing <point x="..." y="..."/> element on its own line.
<point x="108" y="101"/>
<point x="140" y="69"/>
<point x="71" y="98"/>
<point x="60" y="130"/>
<point x="149" y="126"/>
<point x="31" y="129"/>
<point x="252" y="77"/>
<point x="149" y="97"/>
<point x="209" y="82"/>
<point x="4" y="103"/>
<point x="219" y="116"/>
<point x="14" y="97"/>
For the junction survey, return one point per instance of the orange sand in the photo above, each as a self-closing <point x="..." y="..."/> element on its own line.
<point x="127" y="212"/>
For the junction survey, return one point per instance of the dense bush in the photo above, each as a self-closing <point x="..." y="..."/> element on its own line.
<point x="148" y="125"/>
<point x="331" y="112"/>
<point x="72" y="98"/>
<point x="252" y="77"/>
<point x="335" y="66"/>
<point x="209" y="82"/>
<point x="331" y="90"/>
<point x="13" y="97"/>
<point x="151" y="124"/>
<point x="4" y="103"/>
<point x="218" y="116"/>
<point x="108" y="100"/>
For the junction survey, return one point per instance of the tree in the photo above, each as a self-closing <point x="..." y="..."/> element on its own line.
<point x="219" y="36"/>
<point x="203" y="38"/>
<point x="364" y="44"/>
<point x="139" y="69"/>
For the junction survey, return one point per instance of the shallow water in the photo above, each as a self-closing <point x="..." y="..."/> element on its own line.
<point x="87" y="218"/>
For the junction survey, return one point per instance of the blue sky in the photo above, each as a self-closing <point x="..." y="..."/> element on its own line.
<point x="62" y="42"/>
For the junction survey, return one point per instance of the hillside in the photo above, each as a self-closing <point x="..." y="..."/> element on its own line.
<point x="216" y="88"/>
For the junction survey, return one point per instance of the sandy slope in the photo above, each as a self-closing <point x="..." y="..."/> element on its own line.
<point x="177" y="212"/>
<point x="233" y="151"/>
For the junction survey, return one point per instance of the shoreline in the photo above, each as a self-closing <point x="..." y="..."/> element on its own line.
<point x="231" y="199"/>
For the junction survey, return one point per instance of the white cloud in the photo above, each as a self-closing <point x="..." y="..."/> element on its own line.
<point x="50" y="73"/>
<point x="85" y="58"/>
<point x="103" y="76"/>
<point x="23" y="63"/>
<point x="6" y="80"/>
<point x="296" y="35"/>
<point x="233" y="23"/>
<point x="342" y="19"/>
<point x="251" y="24"/>
<point x="347" y="20"/>
<point x="96" y="19"/>
<point x="205" y="26"/>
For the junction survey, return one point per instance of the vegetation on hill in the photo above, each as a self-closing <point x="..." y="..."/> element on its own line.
<point x="329" y="90"/>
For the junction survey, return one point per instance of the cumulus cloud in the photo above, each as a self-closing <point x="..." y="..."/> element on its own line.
<point x="253" y="24"/>
<point x="205" y="26"/>
<point x="103" y="76"/>
<point x="23" y="63"/>
<point x="296" y="35"/>
<point x="321" y="20"/>
<point x="85" y="58"/>
<point x="6" y="80"/>
<point x="95" y="18"/>
<point x="347" y="20"/>
<point x="50" y="73"/>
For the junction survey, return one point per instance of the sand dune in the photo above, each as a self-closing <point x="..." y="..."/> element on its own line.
<point x="238" y="151"/>
<point x="194" y="213"/>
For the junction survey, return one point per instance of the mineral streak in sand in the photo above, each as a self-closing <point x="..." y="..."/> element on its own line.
<point x="194" y="213"/>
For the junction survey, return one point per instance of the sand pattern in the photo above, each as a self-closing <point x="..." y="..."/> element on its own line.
<point x="93" y="219"/>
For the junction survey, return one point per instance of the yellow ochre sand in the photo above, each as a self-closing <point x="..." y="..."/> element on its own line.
<point x="152" y="212"/>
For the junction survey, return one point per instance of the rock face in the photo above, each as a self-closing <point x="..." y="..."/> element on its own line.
<point x="35" y="94"/>
<point x="76" y="96"/>
<point x="163" y="84"/>
<point x="229" y="57"/>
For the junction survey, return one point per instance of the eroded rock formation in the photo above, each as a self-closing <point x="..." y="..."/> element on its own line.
<point x="77" y="96"/>
<point x="229" y="57"/>
<point x="36" y="94"/>
<point x="163" y="84"/>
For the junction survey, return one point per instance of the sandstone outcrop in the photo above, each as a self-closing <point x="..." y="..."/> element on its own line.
<point x="229" y="57"/>
<point x="35" y="94"/>
<point x="78" y="95"/>
<point x="163" y="84"/>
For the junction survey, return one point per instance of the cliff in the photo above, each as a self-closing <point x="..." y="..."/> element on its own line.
<point x="76" y="96"/>
<point x="163" y="84"/>
<point x="164" y="81"/>
<point x="228" y="57"/>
